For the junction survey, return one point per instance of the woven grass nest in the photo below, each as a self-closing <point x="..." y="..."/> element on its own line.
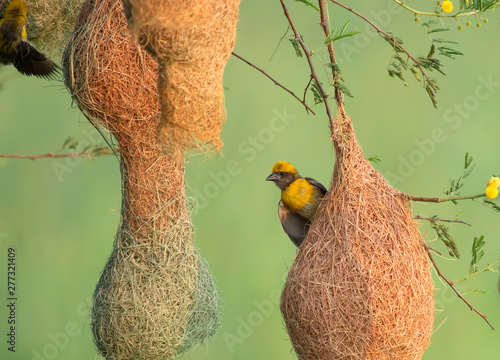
<point x="50" y="24"/>
<point x="192" y="41"/>
<point x="156" y="298"/>
<point x="360" y="287"/>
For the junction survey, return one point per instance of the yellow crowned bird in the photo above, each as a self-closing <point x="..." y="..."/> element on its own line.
<point x="15" y="49"/>
<point x="300" y="198"/>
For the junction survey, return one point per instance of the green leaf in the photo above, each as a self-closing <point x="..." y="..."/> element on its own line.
<point x="431" y="51"/>
<point x="446" y="238"/>
<point x="430" y="23"/>
<point x="468" y="160"/>
<point x="437" y="30"/>
<point x="475" y="291"/>
<point x="492" y="205"/>
<point x="375" y="159"/>
<point x="334" y="67"/>
<point x="448" y="52"/>
<point x="316" y="90"/>
<point x="444" y="41"/>
<point x="308" y="3"/>
<point x="343" y="89"/>
<point x="457" y="184"/>
<point x="432" y="94"/>
<point x="296" y="46"/>
<point x="340" y="34"/>
<point x="477" y="253"/>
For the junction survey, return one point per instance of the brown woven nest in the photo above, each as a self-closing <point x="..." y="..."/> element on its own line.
<point x="50" y="24"/>
<point x="156" y="298"/>
<point x="360" y="287"/>
<point x="192" y="41"/>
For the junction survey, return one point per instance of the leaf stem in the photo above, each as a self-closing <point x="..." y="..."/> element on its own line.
<point x="274" y="81"/>
<point x="488" y="268"/>
<point x="451" y="284"/>
<point x="416" y="12"/>
<point x="392" y="38"/>
<point x="441" y="200"/>
<point x="311" y="66"/>
<point x="432" y="219"/>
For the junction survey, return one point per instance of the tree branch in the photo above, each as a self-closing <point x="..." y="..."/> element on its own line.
<point x="488" y="268"/>
<point x="274" y="81"/>
<point x="416" y="12"/>
<point x="311" y="66"/>
<point x="392" y="38"/>
<point x="326" y="32"/>
<point x="418" y="217"/>
<point x="451" y="284"/>
<point x="85" y="153"/>
<point x="441" y="200"/>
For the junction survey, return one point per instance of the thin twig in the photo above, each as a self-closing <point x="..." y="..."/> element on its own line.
<point x="392" y="38"/>
<point x="274" y="81"/>
<point x="441" y="200"/>
<point x="427" y="246"/>
<point x="307" y="87"/>
<point x="326" y="32"/>
<point x="48" y="155"/>
<point x="309" y="61"/>
<point x="416" y="12"/>
<point x="451" y="284"/>
<point x="418" y="217"/>
<point x="487" y="268"/>
<point x="86" y="153"/>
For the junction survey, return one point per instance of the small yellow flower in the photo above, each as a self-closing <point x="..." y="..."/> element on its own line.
<point x="447" y="6"/>
<point x="493" y="182"/>
<point x="491" y="192"/>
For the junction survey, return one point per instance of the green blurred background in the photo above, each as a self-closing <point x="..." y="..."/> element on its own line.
<point x="61" y="215"/>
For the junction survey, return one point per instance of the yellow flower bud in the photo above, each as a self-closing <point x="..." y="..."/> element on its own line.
<point x="468" y="23"/>
<point x="460" y="28"/>
<point x="493" y="182"/>
<point x="491" y="192"/>
<point x="478" y="25"/>
<point x="486" y="20"/>
<point x="447" y="6"/>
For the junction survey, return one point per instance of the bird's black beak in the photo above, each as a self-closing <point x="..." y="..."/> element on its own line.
<point x="272" y="177"/>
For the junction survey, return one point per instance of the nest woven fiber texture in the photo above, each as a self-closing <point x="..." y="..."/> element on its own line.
<point x="154" y="302"/>
<point x="156" y="298"/>
<point x="360" y="287"/>
<point x="50" y="24"/>
<point x="192" y="41"/>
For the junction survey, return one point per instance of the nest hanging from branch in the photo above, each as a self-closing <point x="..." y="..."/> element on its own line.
<point x="192" y="41"/>
<point x="360" y="287"/>
<point x="156" y="298"/>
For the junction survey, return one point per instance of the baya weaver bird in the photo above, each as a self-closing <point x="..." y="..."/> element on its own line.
<point x="15" y="49"/>
<point x="300" y="198"/>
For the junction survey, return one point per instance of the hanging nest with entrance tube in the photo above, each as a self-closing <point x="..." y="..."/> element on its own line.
<point x="192" y="41"/>
<point x="360" y="287"/>
<point x="156" y="298"/>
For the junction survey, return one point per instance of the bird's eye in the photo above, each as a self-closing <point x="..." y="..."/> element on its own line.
<point x="282" y="173"/>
